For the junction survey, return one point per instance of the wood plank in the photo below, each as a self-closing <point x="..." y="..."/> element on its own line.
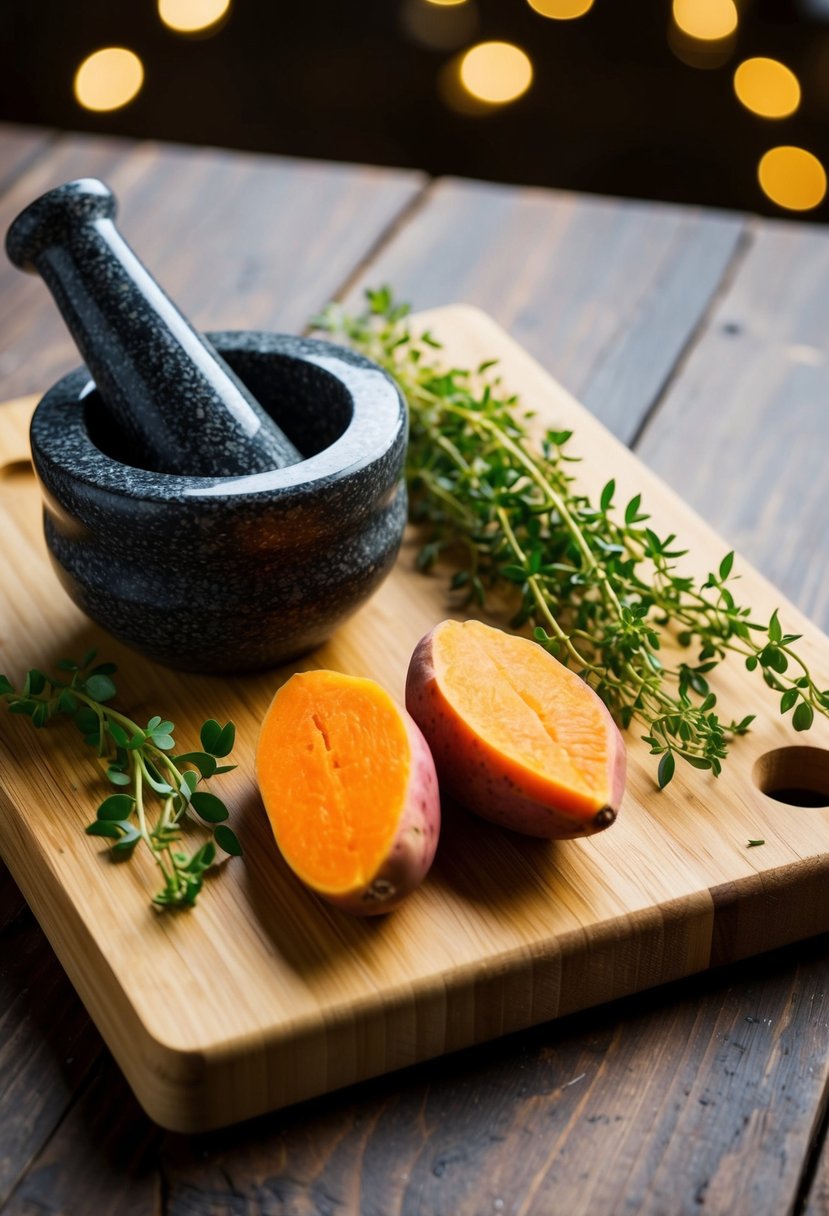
<point x="239" y="241"/>
<point x="631" y="908"/>
<point x="101" y="1160"/>
<point x="752" y="395"/>
<point x="19" y="147"/>
<point x="816" y="1200"/>
<point x="47" y="1043"/>
<point x="605" y="293"/>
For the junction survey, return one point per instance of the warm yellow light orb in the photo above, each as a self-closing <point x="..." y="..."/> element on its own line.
<point x="496" y="72"/>
<point x="191" y="16"/>
<point x="706" y="19"/>
<point x="561" y="10"/>
<point x="446" y="3"/>
<point x="108" y="79"/>
<point x="767" y="87"/>
<point x="793" y="178"/>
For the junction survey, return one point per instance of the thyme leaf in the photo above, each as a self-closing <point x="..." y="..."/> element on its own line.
<point x="138" y="761"/>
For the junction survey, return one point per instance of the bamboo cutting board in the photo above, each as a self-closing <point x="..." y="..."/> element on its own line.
<point x="262" y="995"/>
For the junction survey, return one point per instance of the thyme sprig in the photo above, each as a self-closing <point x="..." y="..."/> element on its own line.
<point x="593" y="580"/>
<point x="139" y="762"/>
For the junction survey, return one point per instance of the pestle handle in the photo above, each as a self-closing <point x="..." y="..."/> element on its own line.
<point x="164" y="385"/>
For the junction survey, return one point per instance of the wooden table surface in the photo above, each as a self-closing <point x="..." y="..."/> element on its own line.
<point x="698" y="337"/>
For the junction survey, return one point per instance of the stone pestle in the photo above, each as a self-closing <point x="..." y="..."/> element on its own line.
<point x="179" y="405"/>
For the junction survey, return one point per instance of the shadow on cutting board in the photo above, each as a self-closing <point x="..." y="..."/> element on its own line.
<point x="477" y="864"/>
<point x="308" y="933"/>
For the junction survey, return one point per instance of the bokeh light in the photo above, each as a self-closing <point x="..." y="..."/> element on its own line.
<point x="446" y="3"/>
<point x="108" y="79"/>
<point x="767" y="87"/>
<point x="496" y="72"/>
<point x="192" y="16"/>
<point x="793" y="178"/>
<point x="707" y="20"/>
<point x="561" y="10"/>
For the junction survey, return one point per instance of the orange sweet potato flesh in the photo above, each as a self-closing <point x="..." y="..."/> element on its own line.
<point x="350" y="790"/>
<point x="516" y="736"/>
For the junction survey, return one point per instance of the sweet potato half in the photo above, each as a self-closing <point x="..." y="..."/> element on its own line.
<point x="515" y="735"/>
<point x="350" y="789"/>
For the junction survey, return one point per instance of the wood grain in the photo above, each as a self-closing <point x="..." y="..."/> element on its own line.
<point x="766" y="354"/>
<point x="101" y="1160"/>
<point x="817" y="1199"/>
<point x="239" y="241"/>
<point x="47" y="1044"/>
<point x="19" y="147"/>
<point x="606" y="294"/>
<point x="308" y="1000"/>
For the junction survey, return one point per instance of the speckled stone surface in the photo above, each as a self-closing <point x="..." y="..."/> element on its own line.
<point x="235" y="573"/>
<point x="181" y="405"/>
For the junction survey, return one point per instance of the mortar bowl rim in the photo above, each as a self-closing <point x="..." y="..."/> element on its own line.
<point x="63" y="449"/>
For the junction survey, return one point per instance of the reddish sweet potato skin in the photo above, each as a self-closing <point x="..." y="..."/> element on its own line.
<point x="413" y="849"/>
<point x="472" y="772"/>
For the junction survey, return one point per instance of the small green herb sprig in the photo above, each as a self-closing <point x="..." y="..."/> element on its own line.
<point x="136" y="760"/>
<point x="595" y="582"/>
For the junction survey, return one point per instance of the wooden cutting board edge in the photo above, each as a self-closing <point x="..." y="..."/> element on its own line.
<point x="190" y="1091"/>
<point x="179" y="1087"/>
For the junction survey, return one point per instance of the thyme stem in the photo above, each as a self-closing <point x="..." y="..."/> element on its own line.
<point x="598" y="587"/>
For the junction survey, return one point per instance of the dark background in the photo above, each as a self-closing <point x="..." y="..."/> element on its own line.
<point x="612" y="108"/>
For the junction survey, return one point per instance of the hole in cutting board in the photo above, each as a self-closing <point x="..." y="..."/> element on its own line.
<point x="15" y="469"/>
<point x="798" y="776"/>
